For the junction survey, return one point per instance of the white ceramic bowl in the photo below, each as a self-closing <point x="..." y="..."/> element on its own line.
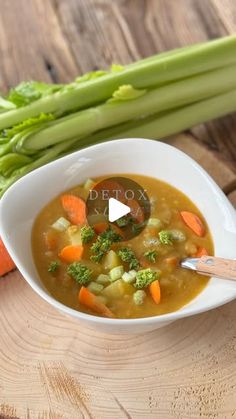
<point x="23" y="201"/>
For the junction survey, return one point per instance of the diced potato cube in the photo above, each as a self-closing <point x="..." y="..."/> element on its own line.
<point x="111" y="260"/>
<point x="61" y="224"/>
<point x="95" y="288"/>
<point x="89" y="184"/>
<point x="117" y="289"/>
<point x="116" y="273"/>
<point x="103" y="279"/>
<point x="74" y="235"/>
<point x="103" y="299"/>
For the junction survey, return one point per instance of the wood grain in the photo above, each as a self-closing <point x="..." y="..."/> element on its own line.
<point x="32" y="44"/>
<point x="186" y="370"/>
<point x="210" y="161"/>
<point x="50" y="366"/>
<point x="219" y="267"/>
<point x="102" y="32"/>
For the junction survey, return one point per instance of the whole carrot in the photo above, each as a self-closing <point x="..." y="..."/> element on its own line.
<point x="6" y="262"/>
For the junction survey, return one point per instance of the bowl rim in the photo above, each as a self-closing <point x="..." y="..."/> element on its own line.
<point x="162" y="318"/>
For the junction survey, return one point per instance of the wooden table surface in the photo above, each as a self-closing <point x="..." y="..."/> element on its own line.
<point x="50" y="367"/>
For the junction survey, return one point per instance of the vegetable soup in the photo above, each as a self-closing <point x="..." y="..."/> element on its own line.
<point x="92" y="267"/>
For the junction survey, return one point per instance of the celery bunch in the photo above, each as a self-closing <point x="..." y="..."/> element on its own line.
<point x="153" y="98"/>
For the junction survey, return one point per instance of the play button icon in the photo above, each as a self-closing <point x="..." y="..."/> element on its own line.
<point x="116" y="210"/>
<point x="118" y="203"/>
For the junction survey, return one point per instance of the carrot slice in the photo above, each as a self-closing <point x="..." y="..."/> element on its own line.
<point x="6" y="262"/>
<point x="155" y="291"/>
<point x="71" y="253"/>
<point x="90" y="300"/>
<point x="193" y="222"/>
<point x="171" y="261"/>
<point x="75" y="208"/>
<point x="201" y="252"/>
<point x="100" y="227"/>
<point x="135" y="210"/>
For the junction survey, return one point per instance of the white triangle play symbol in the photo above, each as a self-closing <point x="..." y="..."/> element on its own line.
<point x="116" y="210"/>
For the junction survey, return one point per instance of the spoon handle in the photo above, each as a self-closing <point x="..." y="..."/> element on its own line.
<point x="213" y="266"/>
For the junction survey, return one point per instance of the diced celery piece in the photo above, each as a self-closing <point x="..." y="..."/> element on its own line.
<point x="117" y="289"/>
<point x="111" y="260"/>
<point x="129" y="277"/>
<point x="139" y="297"/>
<point x="89" y="184"/>
<point x="74" y="235"/>
<point x="61" y="224"/>
<point x="103" y="279"/>
<point x="116" y="273"/>
<point x="133" y="273"/>
<point x="178" y="235"/>
<point x="95" y="288"/>
<point x="154" y="222"/>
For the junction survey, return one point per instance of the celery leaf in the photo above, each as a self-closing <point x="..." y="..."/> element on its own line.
<point x="91" y="76"/>
<point x="29" y="91"/>
<point x="28" y="123"/>
<point x="126" y="92"/>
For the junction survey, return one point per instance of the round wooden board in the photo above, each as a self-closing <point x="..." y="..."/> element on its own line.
<point x="52" y="367"/>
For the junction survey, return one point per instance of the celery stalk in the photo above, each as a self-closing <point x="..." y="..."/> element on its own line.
<point x="179" y="120"/>
<point x="162" y="125"/>
<point x="167" y="97"/>
<point x="143" y="74"/>
<point x="47" y="157"/>
<point x="155" y="127"/>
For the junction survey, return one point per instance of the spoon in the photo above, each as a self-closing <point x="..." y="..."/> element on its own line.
<point x="213" y="266"/>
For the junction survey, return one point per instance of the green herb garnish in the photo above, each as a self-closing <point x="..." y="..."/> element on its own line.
<point x="53" y="266"/>
<point x="103" y="244"/>
<point x="151" y="255"/>
<point x="127" y="255"/>
<point x="123" y="221"/>
<point x="165" y="237"/>
<point x="87" y="234"/>
<point x="80" y="273"/>
<point x="145" y="277"/>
